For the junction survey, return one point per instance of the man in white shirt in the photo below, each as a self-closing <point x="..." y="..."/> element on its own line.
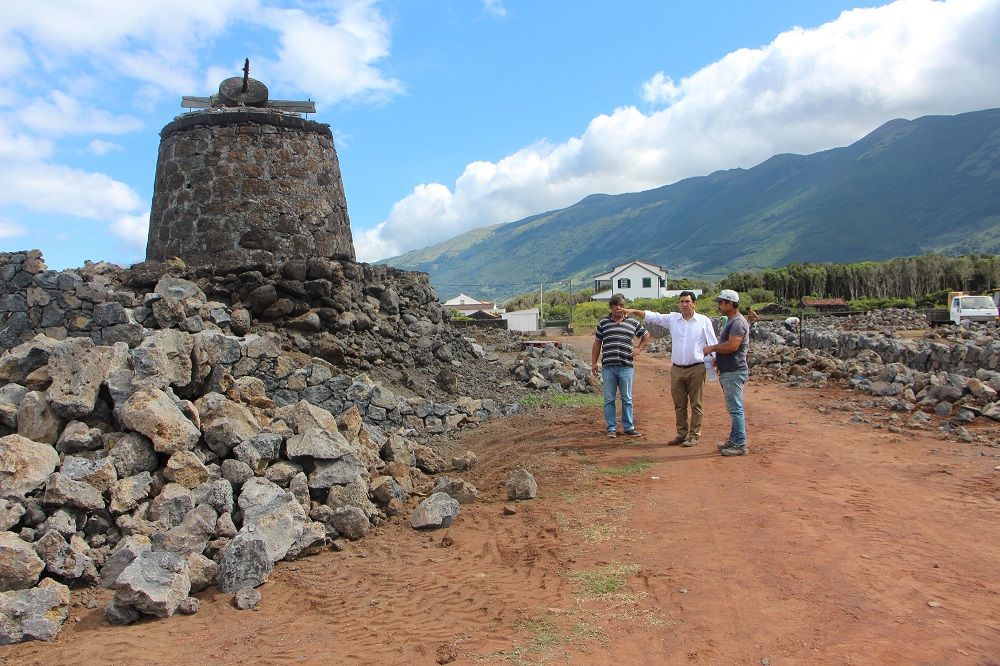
<point x="690" y="333"/>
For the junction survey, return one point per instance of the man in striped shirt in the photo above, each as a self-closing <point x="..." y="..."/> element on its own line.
<point x="613" y="345"/>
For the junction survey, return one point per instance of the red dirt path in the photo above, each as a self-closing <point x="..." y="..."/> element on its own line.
<point x="824" y="546"/>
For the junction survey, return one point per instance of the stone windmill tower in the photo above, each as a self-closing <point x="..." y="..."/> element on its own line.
<point x="244" y="181"/>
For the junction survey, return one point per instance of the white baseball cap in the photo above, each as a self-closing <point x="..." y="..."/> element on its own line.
<point x="728" y="295"/>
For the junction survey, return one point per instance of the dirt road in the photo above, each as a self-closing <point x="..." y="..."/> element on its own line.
<point x="832" y="543"/>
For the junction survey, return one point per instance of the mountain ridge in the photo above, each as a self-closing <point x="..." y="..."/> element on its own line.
<point x="909" y="187"/>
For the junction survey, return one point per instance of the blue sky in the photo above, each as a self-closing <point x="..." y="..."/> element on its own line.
<point x="453" y="114"/>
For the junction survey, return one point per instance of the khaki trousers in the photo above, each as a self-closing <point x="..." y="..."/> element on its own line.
<point x="686" y="385"/>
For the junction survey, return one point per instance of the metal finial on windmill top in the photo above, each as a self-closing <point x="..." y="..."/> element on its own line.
<point x="242" y="91"/>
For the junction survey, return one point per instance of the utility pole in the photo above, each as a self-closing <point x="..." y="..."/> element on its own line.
<point x="571" y="305"/>
<point x="541" y="304"/>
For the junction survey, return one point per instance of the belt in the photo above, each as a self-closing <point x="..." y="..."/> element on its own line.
<point x="677" y="365"/>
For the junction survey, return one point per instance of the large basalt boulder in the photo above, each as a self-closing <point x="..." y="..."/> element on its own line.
<point x="68" y="560"/>
<point x="191" y="536"/>
<point x="101" y="473"/>
<point x="460" y="489"/>
<point x="37" y="614"/>
<point x="17" y="363"/>
<point x="11" y="396"/>
<point x="77" y="367"/>
<point x="521" y="485"/>
<point x="164" y="359"/>
<point x="36" y="419"/>
<point x="318" y="444"/>
<point x="131" y="453"/>
<point x="273" y="514"/>
<point x="61" y="490"/>
<point x="20" y="566"/>
<point x="154" y="583"/>
<point x="438" y="510"/>
<point x="127" y="550"/>
<point x="226" y="423"/>
<point x="24" y="465"/>
<point x="152" y="413"/>
<point x="245" y="563"/>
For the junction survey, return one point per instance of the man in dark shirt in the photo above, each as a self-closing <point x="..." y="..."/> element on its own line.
<point x="731" y="361"/>
<point x="613" y="345"/>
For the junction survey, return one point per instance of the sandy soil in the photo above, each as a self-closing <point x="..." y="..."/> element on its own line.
<point x="832" y="543"/>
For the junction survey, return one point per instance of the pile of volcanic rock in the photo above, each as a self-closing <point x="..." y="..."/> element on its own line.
<point x="108" y="477"/>
<point x="160" y="434"/>
<point x="553" y="368"/>
<point x="961" y="397"/>
<point x="885" y="319"/>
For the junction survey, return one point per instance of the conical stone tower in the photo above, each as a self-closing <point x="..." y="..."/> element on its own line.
<point x="245" y="182"/>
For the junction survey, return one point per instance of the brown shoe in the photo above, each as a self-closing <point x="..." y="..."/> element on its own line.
<point x="690" y="441"/>
<point x="679" y="439"/>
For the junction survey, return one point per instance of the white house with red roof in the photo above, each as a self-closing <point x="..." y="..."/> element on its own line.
<point x="468" y="305"/>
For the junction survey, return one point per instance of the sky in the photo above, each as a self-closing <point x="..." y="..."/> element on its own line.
<point x="450" y="115"/>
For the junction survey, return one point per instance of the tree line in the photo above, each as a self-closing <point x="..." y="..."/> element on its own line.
<point x="903" y="277"/>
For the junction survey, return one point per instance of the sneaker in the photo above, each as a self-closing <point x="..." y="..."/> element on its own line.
<point x="734" y="451"/>
<point x="723" y="445"/>
<point x="633" y="433"/>
<point x="690" y="441"/>
<point x="676" y="440"/>
<point x="612" y="434"/>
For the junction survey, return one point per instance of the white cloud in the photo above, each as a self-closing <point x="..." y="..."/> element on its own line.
<point x="495" y="7"/>
<point x="11" y="229"/>
<point x="17" y="147"/>
<point x="807" y="90"/>
<point x="58" y="189"/>
<point x="99" y="147"/>
<point x="334" y="59"/>
<point x="62" y="114"/>
<point x="132" y="230"/>
<point x="660" y="89"/>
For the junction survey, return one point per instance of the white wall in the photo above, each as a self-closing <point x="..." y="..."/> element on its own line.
<point x="635" y="274"/>
<point x="522" y="320"/>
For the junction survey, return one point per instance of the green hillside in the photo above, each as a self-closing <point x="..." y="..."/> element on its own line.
<point x="908" y="188"/>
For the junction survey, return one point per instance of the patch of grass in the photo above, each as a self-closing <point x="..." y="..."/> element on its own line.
<point x="605" y="580"/>
<point x="625" y="470"/>
<point x="548" y="640"/>
<point x="584" y="632"/>
<point x="531" y="400"/>
<point x="596" y="533"/>
<point x="544" y="633"/>
<point x="577" y="400"/>
<point x="566" y="496"/>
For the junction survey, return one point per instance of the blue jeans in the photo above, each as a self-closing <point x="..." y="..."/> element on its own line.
<point x="732" y="387"/>
<point x="618" y="378"/>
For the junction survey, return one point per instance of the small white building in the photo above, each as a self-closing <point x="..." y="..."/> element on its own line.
<point x="468" y="305"/>
<point x="636" y="279"/>
<point x="522" y="320"/>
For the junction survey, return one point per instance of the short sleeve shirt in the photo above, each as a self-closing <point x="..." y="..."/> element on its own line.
<point x="737" y="327"/>
<point x="616" y="340"/>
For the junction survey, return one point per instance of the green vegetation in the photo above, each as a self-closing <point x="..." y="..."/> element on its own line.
<point x="900" y="280"/>
<point x="604" y="580"/>
<point x="548" y="639"/>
